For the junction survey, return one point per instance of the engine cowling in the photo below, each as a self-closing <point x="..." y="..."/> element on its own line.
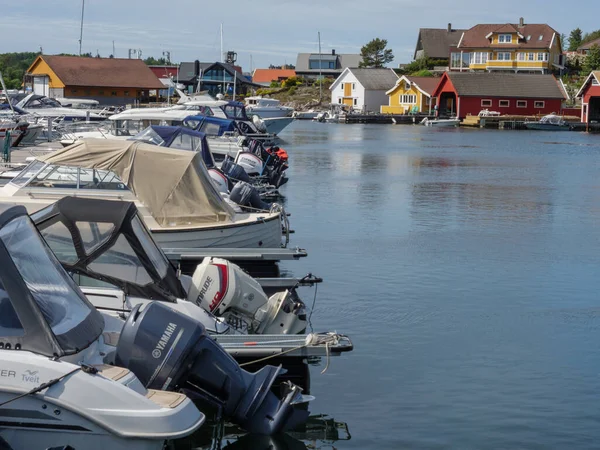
<point x="251" y="163"/>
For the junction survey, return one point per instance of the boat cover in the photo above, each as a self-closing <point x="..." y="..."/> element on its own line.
<point x="173" y="184"/>
<point x="210" y="125"/>
<point x="106" y="240"/>
<point x="42" y="310"/>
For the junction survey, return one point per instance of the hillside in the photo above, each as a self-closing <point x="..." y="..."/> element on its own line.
<point x="13" y="67"/>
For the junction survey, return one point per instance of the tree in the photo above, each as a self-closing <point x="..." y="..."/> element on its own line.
<point x="592" y="59"/>
<point x="587" y="37"/>
<point x="375" y="55"/>
<point x="575" y="39"/>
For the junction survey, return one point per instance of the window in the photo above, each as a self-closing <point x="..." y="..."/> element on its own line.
<point x="353" y="86"/>
<point x="100" y="92"/>
<point x="521" y="56"/>
<point x="158" y="258"/>
<point x="595" y="81"/>
<point x="455" y="60"/>
<point x="73" y="91"/>
<point x="521" y="103"/>
<point x="408" y="99"/>
<point x="94" y="234"/>
<point x="479" y="57"/>
<point x="530" y="56"/>
<point x="504" y="38"/>
<point x="407" y="86"/>
<point x="504" y="103"/>
<point x="331" y="65"/>
<point x="539" y="104"/>
<point x="355" y="101"/>
<point x="126" y="93"/>
<point x="113" y="93"/>
<point x="542" y="56"/>
<point x="10" y="325"/>
<point x="486" y="103"/>
<point x="541" y="37"/>
<point x="342" y="86"/>
<point x="504" y="56"/>
<point x="339" y="100"/>
<point x="529" y="37"/>
<point x="120" y="261"/>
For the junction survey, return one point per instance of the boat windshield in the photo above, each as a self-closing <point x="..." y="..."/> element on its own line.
<point x="42" y="102"/>
<point x="56" y="294"/>
<point x="150" y="136"/>
<point x="39" y="174"/>
<point x="552" y="119"/>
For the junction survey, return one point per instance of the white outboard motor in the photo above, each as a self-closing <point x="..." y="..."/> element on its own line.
<point x="251" y="163"/>
<point x="227" y="291"/>
<point x="259" y="124"/>
<point x="219" y="180"/>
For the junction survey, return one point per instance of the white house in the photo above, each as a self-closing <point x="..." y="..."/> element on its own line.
<point x="363" y="89"/>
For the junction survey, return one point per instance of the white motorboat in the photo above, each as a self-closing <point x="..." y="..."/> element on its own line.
<point x="336" y="113"/>
<point x="75" y="376"/>
<point x="551" y="122"/>
<point x="170" y="187"/>
<point x="44" y="107"/>
<point x="311" y="114"/>
<point x="266" y="108"/>
<point x="56" y="389"/>
<point x="452" y="122"/>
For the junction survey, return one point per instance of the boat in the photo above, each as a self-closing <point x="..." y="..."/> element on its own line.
<point x="216" y="294"/>
<point x="551" y="122"/>
<point x="311" y="114"/>
<point x="337" y="112"/>
<point x="75" y="376"/>
<point x="170" y="187"/>
<point x="47" y="108"/>
<point x="451" y="122"/>
<point x="56" y="389"/>
<point x="267" y="108"/>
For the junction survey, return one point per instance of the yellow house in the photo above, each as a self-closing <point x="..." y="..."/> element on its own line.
<point x="411" y="95"/>
<point x="111" y="81"/>
<point x="516" y="48"/>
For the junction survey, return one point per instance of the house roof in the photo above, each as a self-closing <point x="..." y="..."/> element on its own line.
<point x="102" y="72"/>
<point x="476" y="37"/>
<point x="588" y="45"/>
<point x="436" y="42"/>
<point x="370" y="79"/>
<point x="342" y="61"/>
<point x="268" y="75"/>
<point x="424" y="84"/>
<point x="470" y="84"/>
<point x="186" y="70"/>
<point x="593" y="75"/>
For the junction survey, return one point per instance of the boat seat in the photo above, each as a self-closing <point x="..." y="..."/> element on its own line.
<point x="165" y="399"/>
<point x="114" y="373"/>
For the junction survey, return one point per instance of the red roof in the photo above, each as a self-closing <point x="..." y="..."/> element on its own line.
<point x="476" y="37"/>
<point x="102" y="72"/>
<point x="426" y="84"/>
<point x="268" y="75"/>
<point x="164" y="71"/>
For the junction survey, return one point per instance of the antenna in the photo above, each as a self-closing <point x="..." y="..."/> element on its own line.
<point x="113" y="53"/>
<point x="168" y="55"/>
<point x="81" y="30"/>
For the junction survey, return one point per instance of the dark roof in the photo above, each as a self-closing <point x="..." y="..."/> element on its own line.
<point x="589" y="44"/>
<point x="186" y="70"/>
<point x="436" y="42"/>
<point x="475" y="37"/>
<point x="343" y="60"/>
<point x="426" y="84"/>
<point x="186" y="73"/>
<point x="103" y="72"/>
<point x="376" y="79"/>
<point x="506" y="85"/>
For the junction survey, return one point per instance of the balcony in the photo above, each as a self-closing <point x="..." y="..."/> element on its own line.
<point x="514" y="64"/>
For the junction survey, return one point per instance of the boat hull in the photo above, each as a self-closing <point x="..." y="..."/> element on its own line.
<point x="442" y="123"/>
<point x="546" y="127"/>
<point x="277" y="125"/>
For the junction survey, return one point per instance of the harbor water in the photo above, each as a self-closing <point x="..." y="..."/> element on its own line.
<point x="465" y="266"/>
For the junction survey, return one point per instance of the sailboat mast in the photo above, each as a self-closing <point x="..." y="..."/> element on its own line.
<point x="320" y="79"/>
<point x="81" y="29"/>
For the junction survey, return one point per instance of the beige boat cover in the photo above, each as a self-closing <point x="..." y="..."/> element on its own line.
<point x="173" y="184"/>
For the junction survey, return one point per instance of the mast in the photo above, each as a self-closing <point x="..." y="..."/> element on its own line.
<point x="81" y="30"/>
<point x="221" y="58"/>
<point x="320" y="79"/>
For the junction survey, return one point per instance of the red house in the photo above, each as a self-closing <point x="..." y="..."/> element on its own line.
<point x="590" y="98"/>
<point x="468" y="93"/>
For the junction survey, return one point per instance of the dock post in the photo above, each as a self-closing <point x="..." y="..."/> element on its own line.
<point x="49" y="129"/>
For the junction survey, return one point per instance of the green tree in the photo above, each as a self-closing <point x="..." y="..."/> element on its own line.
<point x="592" y="59"/>
<point x="151" y="61"/>
<point x="375" y="54"/>
<point x="575" y="39"/>
<point x="587" y="37"/>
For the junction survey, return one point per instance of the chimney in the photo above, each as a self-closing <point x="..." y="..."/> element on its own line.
<point x="521" y="22"/>
<point x="449" y="27"/>
<point x="333" y="51"/>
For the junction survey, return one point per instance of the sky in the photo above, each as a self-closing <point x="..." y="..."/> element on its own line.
<point x="261" y="32"/>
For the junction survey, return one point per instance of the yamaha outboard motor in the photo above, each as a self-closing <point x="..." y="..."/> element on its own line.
<point x="234" y="171"/>
<point x="246" y="195"/>
<point x="170" y="351"/>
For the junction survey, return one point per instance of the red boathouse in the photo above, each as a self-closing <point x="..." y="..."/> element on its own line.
<point x="468" y="93"/>
<point x="590" y="98"/>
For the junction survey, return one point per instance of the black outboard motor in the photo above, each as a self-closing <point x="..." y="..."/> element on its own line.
<point x="234" y="171"/>
<point x="245" y="194"/>
<point x="170" y="351"/>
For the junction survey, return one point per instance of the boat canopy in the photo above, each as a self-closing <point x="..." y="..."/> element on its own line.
<point x="210" y="125"/>
<point x="107" y="241"/>
<point x="173" y="184"/>
<point x="42" y="310"/>
<point x="181" y="138"/>
<point x="552" y="119"/>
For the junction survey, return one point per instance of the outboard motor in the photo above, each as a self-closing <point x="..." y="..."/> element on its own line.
<point x="167" y="350"/>
<point x="222" y="288"/>
<point x="234" y="171"/>
<point x="220" y="181"/>
<point x="251" y="163"/>
<point x="246" y="195"/>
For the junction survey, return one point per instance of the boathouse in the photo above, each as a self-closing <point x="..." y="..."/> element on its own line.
<point x="468" y="93"/>
<point x="411" y="95"/>
<point x="363" y="90"/>
<point x="590" y="98"/>
<point x="110" y="81"/>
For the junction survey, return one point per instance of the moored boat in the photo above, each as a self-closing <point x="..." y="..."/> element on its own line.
<point x="551" y="122"/>
<point x="452" y="122"/>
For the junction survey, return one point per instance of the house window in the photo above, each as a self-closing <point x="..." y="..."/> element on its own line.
<point x="353" y="86"/>
<point x="479" y="57"/>
<point x="521" y="103"/>
<point x="100" y="92"/>
<point x="595" y="82"/>
<point x="73" y="91"/>
<point x="113" y="93"/>
<point x="455" y="61"/>
<point x="505" y="38"/>
<point x="504" y="103"/>
<point x="342" y="86"/>
<point x="541" y="37"/>
<point x="355" y="101"/>
<point x="126" y="93"/>
<point x="410" y="99"/>
<point x="542" y="56"/>
<point x="339" y="100"/>
<point x="521" y="56"/>
<point x="88" y="92"/>
<point x="529" y="37"/>
<point x="530" y="56"/>
<point x="407" y="86"/>
<point x="486" y="103"/>
<point x="504" y="56"/>
<point x="539" y="104"/>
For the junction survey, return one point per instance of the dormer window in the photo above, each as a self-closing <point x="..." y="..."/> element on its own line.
<point x="541" y="37"/>
<point x="407" y="86"/>
<point x="529" y="37"/>
<point x="505" y="38"/>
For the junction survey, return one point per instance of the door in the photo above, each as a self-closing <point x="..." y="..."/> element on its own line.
<point x="348" y="101"/>
<point x="40" y="86"/>
<point x="348" y="90"/>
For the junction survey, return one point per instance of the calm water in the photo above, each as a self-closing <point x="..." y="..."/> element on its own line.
<point x="465" y="266"/>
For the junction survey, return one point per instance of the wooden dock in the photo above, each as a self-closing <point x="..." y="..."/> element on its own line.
<point x="407" y="119"/>
<point x="512" y="122"/>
